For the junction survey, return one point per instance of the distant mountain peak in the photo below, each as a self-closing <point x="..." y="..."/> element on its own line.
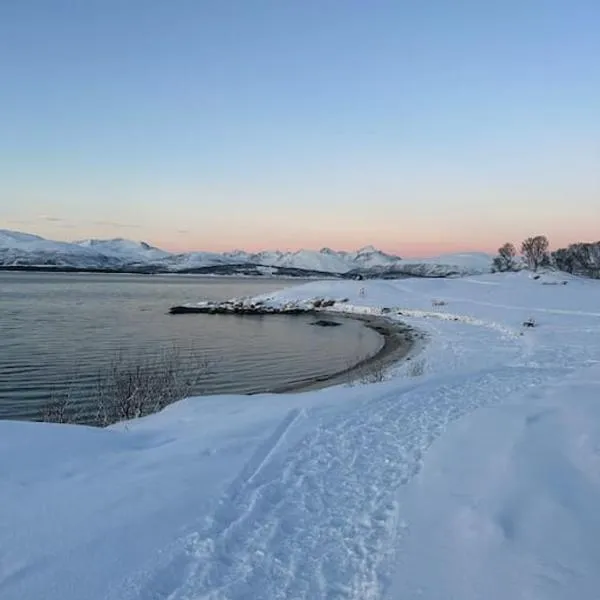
<point x="368" y="249"/>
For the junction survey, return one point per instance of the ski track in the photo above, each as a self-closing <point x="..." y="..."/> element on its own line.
<point x="319" y="519"/>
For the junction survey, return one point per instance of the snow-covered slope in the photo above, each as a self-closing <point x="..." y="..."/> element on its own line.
<point x="473" y="472"/>
<point x="506" y="504"/>
<point x="18" y="248"/>
<point x="325" y="260"/>
<point x="369" y="257"/>
<point x="479" y="262"/>
<point x="127" y="251"/>
<point x="24" y="241"/>
<point x="25" y="249"/>
<point x="194" y="260"/>
<point x="445" y="265"/>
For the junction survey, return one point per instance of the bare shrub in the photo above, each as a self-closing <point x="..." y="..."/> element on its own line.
<point x="416" y="368"/>
<point x="129" y="388"/>
<point x="61" y="408"/>
<point x="372" y="371"/>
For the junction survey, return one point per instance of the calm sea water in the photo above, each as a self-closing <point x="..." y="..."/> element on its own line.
<point x="59" y="330"/>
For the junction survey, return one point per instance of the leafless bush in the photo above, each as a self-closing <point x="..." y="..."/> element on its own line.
<point x="416" y="368"/>
<point x="129" y="388"/>
<point x="61" y="408"/>
<point x="370" y="371"/>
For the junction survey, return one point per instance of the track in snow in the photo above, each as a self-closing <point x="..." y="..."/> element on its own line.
<point x="320" y="519"/>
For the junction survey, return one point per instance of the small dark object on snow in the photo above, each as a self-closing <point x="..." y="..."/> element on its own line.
<point x="325" y="323"/>
<point x="529" y="323"/>
<point x="536" y="276"/>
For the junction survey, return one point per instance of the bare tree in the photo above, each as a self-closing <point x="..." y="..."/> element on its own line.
<point x="535" y="251"/>
<point x="564" y="260"/>
<point x="505" y="261"/>
<point x="580" y="259"/>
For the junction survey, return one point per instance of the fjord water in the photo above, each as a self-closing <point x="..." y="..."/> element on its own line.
<point x="58" y="330"/>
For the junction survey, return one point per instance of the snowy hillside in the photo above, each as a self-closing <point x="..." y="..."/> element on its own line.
<point x="25" y="249"/>
<point x="126" y="250"/>
<point x="323" y="260"/>
<point x="446" y="265"/>
<point x="471" y="473"/>
<point x="473" y="262"/>
<point x="369" y="257"/>
<point x="195" y="260"/>
<point x="18" y="248"/>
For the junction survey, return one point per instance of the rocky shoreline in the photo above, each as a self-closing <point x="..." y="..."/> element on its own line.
<point x="252" y="307"/>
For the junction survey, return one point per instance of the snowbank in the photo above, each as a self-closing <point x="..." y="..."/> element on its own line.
<point x="507" y="503"/>
<point x="477" y="479"/>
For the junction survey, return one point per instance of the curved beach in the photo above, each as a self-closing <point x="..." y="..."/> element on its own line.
<point x="397" y="337"/>
<point x="398" y="343"/>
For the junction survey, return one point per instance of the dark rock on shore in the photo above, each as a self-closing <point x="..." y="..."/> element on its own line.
<point x="326" y="323"/>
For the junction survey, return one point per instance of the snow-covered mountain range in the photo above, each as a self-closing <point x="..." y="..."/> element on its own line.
<point x="27" y="250"/>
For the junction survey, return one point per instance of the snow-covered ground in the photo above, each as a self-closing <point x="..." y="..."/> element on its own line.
<point x="479" y="479"/>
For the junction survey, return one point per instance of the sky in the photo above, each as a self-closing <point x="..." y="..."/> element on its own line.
<point x="420" y="127"/>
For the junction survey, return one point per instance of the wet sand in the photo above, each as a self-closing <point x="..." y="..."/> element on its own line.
<point x="398" y="341"/>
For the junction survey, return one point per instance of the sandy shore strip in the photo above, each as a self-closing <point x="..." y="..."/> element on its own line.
<point x="398" y="342"/>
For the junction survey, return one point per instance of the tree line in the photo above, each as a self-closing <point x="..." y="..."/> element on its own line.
<point x="582" y="258"/>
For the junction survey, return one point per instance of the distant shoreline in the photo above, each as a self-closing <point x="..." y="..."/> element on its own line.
<point x="224" y="271"/>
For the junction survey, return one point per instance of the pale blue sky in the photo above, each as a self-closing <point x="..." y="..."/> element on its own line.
<point x="416" y="126"/>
